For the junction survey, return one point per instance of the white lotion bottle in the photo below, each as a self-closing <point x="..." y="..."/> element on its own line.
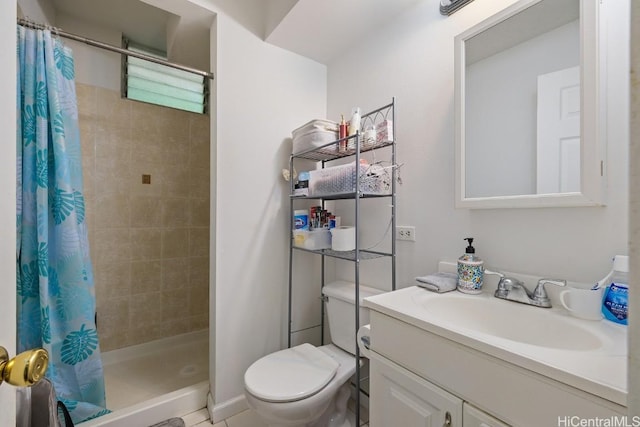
<point x="354" y="124"/>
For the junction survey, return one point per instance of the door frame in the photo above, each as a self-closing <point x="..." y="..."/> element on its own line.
<point x="8" y="13"/>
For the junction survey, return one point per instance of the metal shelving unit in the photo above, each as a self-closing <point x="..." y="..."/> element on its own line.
<point x="328" y="153"/>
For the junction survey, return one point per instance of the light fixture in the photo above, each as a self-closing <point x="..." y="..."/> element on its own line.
<point x="447" y="7"/>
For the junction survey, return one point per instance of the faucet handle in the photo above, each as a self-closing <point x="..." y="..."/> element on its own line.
<point x="501" y="291"/>
<point x="540" y="293"/>
<point x="505" y="285"/>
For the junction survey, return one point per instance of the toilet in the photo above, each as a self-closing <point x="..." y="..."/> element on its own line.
<point x="306" y="385"/>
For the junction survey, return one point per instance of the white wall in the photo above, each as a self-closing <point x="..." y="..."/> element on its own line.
<point x="8" y="196"/>
<point x="634" y="205"/>
<point x="263" y="93"/>
<point x="41" y="11"/>
<point x="412" y="58"/>
<point x="94" y="66"/>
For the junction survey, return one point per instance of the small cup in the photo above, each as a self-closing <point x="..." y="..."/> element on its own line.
<point x="583" y="303"/>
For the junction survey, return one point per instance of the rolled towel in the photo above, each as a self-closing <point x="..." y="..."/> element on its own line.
<point x="439" y="282"/>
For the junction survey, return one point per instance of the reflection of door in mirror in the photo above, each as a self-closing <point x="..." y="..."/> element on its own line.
<point x="558" y="132"/>
<point x="502" y="65"/>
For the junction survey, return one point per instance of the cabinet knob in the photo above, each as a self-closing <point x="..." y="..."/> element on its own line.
<point x="447" y="419"/>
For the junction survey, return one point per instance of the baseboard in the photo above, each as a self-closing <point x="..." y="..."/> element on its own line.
<point x="175" y="404"/>
<point x="221" y="411"/>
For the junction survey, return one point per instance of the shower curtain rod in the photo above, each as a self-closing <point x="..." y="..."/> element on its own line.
<point x="101" y="45"/>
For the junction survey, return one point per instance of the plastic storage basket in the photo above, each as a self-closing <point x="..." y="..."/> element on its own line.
<point x="374" y="179"/>
<point x="312" y="239"/>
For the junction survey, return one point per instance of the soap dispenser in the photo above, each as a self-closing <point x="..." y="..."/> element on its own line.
<point x="470" y="270"/>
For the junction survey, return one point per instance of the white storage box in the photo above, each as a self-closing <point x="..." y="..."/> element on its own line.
<point x="384" y="132"/>
<point x="312" y="239"/>
<point x="314" y="134"/>
<point x="374" y="179"/>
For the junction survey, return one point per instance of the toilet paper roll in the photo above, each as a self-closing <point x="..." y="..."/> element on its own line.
<point x="343" y="238"/>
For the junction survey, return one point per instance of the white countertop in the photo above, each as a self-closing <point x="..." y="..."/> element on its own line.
<point x="600" y="370"/>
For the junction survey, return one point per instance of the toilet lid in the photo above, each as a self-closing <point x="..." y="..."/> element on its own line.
<point x="290" y="374"/>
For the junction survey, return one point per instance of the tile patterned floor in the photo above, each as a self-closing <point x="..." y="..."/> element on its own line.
<point x="135" y="379"/>
<point x="246" y="418"/>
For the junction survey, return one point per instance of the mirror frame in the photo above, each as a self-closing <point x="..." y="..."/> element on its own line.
<point x="592" y="121"/>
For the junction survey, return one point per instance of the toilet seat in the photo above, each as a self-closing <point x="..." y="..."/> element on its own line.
<point x="291" y="374"/>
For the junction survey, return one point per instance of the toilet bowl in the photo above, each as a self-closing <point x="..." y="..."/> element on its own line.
<point x="302" y="397"/>
<point x="308" y="386"/>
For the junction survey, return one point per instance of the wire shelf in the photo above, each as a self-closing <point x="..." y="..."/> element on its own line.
<point x="340" y="196"/>
<point x="330" y="152"/>
<point x="348" y="255"/>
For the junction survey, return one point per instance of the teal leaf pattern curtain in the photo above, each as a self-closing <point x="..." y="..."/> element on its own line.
<point x="56" y="296"/>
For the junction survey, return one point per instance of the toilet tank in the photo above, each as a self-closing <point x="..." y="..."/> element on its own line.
<point x="340" y="304"/>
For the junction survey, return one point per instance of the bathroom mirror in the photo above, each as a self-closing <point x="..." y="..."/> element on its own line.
<point x="528" y="85"/>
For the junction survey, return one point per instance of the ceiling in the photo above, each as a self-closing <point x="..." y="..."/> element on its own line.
<point x="320" y="30"/>
<point x="179" y="28"/>
<point x="139" y="21"/>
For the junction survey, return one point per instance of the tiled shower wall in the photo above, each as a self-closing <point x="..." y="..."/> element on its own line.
<point x="149" y="242"/>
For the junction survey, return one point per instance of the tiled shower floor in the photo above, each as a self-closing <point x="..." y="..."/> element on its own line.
<point x="138" y="373"/>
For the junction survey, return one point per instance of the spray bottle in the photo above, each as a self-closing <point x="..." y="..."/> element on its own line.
<point x="616" y="293"/>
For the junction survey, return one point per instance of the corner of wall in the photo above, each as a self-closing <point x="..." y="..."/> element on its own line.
<point x="38" y="11"/>
<point x="224" y="410"/>
<point x="634" y="216"/>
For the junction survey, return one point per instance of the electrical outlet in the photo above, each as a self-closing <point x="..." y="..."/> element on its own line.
<point x="406" y="232"/>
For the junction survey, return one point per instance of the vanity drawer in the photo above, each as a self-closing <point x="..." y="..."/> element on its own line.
<point x="473" y="417"/>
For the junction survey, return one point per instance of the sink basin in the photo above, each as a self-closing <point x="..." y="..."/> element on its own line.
<point x="512" y="321"/>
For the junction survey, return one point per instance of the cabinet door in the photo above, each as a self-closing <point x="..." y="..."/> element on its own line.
<point x="401" y="398"/>
<point x="474" y="417"/>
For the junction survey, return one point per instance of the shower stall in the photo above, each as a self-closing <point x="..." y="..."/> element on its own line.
<point x="146" y="171"/>
<point x="149" y="242"/>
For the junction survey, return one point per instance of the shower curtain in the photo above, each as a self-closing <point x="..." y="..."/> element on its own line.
<point x="56" y="299"/>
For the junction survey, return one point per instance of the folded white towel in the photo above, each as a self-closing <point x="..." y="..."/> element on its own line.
<point x="439" y="282"/>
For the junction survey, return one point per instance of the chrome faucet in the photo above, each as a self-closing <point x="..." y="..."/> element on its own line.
<point x="514" y="290"/>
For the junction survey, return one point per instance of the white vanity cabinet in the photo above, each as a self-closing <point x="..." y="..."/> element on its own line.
<point x="399" y="397"/>
<point x="418" y="376"/>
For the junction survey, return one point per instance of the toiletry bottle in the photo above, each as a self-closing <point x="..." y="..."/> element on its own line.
<point x="470" y="270"/>
<point x="301" y="219"/>
<point x="342" y="133"/>
<point x="616" y="294"/>
<point x="354" y="124"/>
